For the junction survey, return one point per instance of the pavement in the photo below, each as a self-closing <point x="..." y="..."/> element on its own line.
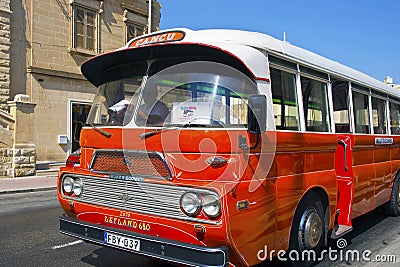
<point x="28" y="184"/>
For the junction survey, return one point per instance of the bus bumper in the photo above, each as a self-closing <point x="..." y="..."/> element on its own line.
<point x="163" y="249"/>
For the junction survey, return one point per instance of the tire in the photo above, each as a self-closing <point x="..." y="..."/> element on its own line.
<point x="307" y="231"/>
<point x="392" y="208"/>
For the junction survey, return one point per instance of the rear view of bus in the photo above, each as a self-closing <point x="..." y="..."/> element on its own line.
<point x="223" y="148"/>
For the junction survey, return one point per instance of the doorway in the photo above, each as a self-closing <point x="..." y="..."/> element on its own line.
<point x="79" y="111"/>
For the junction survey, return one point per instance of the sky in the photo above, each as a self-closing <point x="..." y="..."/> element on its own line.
<point x="362" y="34"/>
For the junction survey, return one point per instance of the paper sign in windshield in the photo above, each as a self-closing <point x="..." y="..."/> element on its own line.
<point x="191" y="112"/>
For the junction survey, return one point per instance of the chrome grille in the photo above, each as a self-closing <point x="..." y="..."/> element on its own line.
<point x="141" y="197"/>
<point x="135" y="163"/>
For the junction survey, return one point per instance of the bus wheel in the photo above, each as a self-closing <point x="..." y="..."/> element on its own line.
<point x="393" y="206"/>
<point x="307" y="233"/>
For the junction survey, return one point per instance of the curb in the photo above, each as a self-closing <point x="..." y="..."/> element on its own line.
<point x="8" y="192"/>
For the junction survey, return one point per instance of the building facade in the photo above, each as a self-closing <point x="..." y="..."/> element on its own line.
<point x="389" y="80"/>
<point x="46" y="100"/>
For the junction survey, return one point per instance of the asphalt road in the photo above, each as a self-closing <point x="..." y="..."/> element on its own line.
<point x="374" y="234"/>
<point x="29" y="237"/>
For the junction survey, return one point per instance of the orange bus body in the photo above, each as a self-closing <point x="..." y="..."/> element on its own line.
<point x="350" y="173"/>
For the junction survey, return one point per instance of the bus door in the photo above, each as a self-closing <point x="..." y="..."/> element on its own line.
<point x="344" y="171"/>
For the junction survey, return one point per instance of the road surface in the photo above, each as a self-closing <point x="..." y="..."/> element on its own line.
<point x="29" y="236"/>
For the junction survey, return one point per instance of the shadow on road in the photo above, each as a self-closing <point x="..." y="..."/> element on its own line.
<point x="366" y="228"/>
<point x="111" y="257"/>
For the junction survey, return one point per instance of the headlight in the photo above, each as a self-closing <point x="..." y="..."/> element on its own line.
<point x="78" y="187"/>
<point x="68" y="184"/>
<point x="211" y="206"/>
<point x="191" y="204"/>
<point x="72" y="185"/>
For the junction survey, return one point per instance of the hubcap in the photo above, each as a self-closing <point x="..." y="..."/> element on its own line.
<point x="310" y="230"/>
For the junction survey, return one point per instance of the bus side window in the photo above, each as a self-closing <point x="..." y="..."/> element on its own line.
<point x="340" y="95"/>
<point x="361" y="113"/>
<point x="379" y="115"/>
<point x="394" y="118"/>
<point x="284" y="97"/>
<point x="316" y="105"/>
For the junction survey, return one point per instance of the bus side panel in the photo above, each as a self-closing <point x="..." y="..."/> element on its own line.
<point x="383" y="172"/>
<point x="290" y="190"/>
<point x="299" y="166"/>
<point x="395" y="157"/>
<point x="395" y="162"/>
<point x="374" y="168"/>
<point x="364" y="174"/>
<point x="252" y="220"/>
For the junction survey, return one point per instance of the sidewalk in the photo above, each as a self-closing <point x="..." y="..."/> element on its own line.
<point x="27" y="184"/>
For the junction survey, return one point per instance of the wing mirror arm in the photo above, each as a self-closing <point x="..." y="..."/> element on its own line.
<point x="256" y="117"/>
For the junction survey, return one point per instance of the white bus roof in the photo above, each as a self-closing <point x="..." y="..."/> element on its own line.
<point x="224" y="38"/>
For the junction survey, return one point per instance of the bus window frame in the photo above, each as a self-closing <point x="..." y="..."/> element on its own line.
<point x="304" y="70"/>
<point x="385" y="99"/>
<point x="290" y="71"/>
<point x="348" y="101"/>
<point x="329" y="101"/>
<point x="363" y="92"/>
<point x="397" y="102"/>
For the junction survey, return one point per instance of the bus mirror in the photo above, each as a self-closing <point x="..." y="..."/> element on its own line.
<point x="257" y="114"/>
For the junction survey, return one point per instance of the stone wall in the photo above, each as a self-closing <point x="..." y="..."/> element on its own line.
<point x="15" y="162"/>
<point x="5" y="15"/>
<point x="24" y="160"/>
<point x="24" y="149"/>
<point x="6" y="143"/>
<point x="6" y="157"/>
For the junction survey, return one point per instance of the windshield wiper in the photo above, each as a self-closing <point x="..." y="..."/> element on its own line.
<point x="169" y="128"/>
<point x="94" y="127"/>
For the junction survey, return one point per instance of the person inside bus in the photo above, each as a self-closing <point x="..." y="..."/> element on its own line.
<point x="117" y="112"/>
<point x="152" y="111"/>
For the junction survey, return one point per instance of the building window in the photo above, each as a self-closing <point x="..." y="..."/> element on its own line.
<point x="84" y="28"/>
<point x="134" y="24"/>
<point x="133" y="31"/>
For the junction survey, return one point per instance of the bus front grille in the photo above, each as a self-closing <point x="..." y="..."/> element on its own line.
<point x="133" y="163"/>
<point x="136" y="196"/>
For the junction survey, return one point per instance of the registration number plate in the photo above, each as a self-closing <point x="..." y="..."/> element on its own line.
<point x="122" y="241"/>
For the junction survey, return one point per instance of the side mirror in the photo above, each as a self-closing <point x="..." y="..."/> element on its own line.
<point x="257" y="114"/>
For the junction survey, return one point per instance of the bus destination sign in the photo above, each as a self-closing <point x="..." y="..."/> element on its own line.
<point x="164" y="37"/>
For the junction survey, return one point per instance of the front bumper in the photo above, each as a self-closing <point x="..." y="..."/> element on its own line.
<point x="163" y="249"/>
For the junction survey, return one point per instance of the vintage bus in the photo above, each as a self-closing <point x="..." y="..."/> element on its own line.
<point x="203" y="148"/>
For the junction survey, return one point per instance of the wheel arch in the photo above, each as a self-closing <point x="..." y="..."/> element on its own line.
<point x="322" y="194"/>
<point x="393" y="178"/>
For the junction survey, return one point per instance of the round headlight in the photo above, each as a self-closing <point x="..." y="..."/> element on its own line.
<point x="191" y="204"/>
<point x="211" y="206"/>
<point x="78" y="187"/>
<point x="68" y="184"/>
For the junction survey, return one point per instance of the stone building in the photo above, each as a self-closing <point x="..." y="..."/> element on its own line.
<point x="44" y="99"/>
<point x="389" y="81"/>
<point x="6" y="119"/>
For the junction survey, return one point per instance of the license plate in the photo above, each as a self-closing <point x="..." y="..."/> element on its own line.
<point x="122" y="241"/>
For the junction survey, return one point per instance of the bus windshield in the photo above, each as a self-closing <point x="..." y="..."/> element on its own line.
<point x="191" y="93"/>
